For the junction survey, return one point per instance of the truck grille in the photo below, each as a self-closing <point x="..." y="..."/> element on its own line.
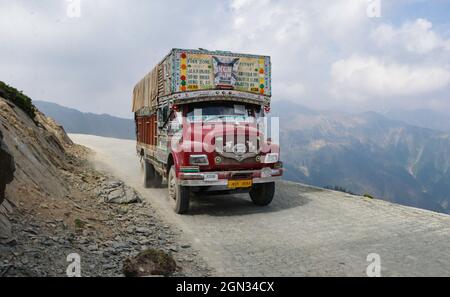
<point x="232" y="149"/>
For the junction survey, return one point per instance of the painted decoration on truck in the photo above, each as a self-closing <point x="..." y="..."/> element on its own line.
<point x="253" y="76"/>
<point x="201" y="71"/>
<point x="225" y="72"/>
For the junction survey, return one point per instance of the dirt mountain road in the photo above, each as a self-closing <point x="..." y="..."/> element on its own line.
<point x="305" y="232"/>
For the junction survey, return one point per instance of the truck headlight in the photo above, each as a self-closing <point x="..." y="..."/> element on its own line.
<point x="218" y="160"/>
<point x="198" y="160"/>
<point x="271" y="158"/>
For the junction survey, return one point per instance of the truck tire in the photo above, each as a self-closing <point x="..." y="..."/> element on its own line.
<point x="158" y="180"/>
<point x="146" y="173"/>
<point x="262" y="194"/>
<point x="151" y="178"/>
<point x="155" y="179"/>
<point x="179" y="196"/>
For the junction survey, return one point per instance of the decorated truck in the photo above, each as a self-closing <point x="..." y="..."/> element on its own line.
<point x="201" y="122"/>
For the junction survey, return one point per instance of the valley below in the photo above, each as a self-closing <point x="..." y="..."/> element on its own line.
<point x="367" y="154"/>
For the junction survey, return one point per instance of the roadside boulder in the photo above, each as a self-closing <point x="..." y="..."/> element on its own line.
<point x="7" y="167"/>
<point x="150" y="262"/>
<point x="119" y="193"/>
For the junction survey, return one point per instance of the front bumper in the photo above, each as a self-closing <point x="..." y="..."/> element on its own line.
<point x="257" y="176"/>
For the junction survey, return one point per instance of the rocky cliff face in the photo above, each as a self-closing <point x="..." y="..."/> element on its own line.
<point x="7" y="168"/>
<point x="38" y="146"/>
<point x="32" y="150"/>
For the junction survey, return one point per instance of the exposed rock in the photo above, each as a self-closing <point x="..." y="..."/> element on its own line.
<point x="117" y="192"/>
<point x="7" y="167"/>
<point x="5" y="227"/>
<point x="54" y="128"/>
<point x="39" y="154"/>
<point x="149" y="262"/>
<point x="143" y="230"/>
<point x="113" y="184"/>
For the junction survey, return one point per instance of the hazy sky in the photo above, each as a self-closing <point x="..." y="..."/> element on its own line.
<point x="325" y="54"/>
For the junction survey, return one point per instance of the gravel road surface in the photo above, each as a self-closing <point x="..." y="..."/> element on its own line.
<point x="305" y="232"/>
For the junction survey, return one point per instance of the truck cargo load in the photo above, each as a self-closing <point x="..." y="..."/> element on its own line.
<point x="195" y="73"/>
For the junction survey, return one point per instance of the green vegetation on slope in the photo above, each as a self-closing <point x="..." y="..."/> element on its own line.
<point x="18" y="98"/>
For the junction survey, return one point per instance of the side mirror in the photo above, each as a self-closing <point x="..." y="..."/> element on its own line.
<point x="162" y="116"/>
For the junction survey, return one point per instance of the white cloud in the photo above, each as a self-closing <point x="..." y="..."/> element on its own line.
<point x="363" y="78"/>
<point x="415" y="37"/>
<point x="92" y="63"/>
<point x="298" y="34"/>
<point x="289" y="91"/>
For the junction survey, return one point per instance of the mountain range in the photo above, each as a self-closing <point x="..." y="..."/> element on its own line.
<point x="422" y="118"/>
<point x="367" y="153"/>
<point x="75" y="121"/>
<point x="394" y="157"/>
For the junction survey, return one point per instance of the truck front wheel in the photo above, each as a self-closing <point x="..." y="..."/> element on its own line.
<point x="262" y="194"/>
<point x="179" y="196"/>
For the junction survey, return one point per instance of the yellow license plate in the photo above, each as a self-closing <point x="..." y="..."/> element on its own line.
<point x="234" y="184"/>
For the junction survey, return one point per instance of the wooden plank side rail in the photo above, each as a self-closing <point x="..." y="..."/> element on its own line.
<point x="147" y="130"/>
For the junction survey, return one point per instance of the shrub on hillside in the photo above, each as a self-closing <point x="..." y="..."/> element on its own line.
<point x="18" y="98"/>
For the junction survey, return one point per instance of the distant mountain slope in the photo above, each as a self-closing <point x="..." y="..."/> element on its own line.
<point x="75" y="121"/>
<point x="422" y="118"/>
<point x="368" y="153"/>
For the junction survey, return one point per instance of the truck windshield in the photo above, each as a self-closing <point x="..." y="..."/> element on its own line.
<point x="223" y="112"/>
